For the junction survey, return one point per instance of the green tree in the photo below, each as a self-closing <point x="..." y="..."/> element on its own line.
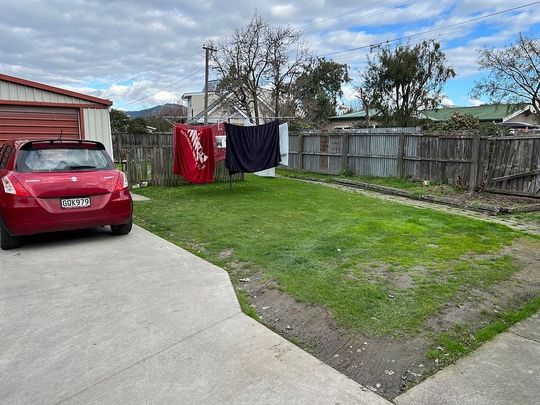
<point x="160" y="123"/>
<point x="514" y="73"/>
<point x="137" y="126"/>
<point x="404" y="80"/>
<point x="119" y="120"/>
<point x="318" y="88"/>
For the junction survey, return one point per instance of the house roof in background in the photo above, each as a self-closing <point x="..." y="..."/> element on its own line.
<point x="487" y="112"/>
<point x="359" y="115"/>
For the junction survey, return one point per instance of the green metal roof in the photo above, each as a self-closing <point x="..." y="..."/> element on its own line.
<point x="488" y="112"/>
<point x="358" y="115"/>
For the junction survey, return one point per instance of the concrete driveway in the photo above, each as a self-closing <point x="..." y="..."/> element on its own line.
<point x="86" y="317"/>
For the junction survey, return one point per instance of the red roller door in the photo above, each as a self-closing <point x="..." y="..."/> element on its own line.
<point x="38" y="123"/>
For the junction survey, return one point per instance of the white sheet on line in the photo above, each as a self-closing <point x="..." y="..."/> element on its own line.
<point x="283" y="148"/>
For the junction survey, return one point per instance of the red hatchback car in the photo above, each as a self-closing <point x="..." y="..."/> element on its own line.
<point x="59" y="185"/>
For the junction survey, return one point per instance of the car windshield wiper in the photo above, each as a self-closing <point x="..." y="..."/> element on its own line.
<point x="77" y="167"/>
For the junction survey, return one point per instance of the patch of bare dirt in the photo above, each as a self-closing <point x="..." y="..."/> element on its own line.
<point x="477" y="307"/>
<point x="397" y="279"/>
<point x="225" y="254"/>
<point x="498" y="200"/>
<point x="384" y="365"/>
<point x="389" y="366"/>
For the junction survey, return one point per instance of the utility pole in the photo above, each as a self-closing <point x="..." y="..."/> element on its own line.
<point x="208" y="49"/>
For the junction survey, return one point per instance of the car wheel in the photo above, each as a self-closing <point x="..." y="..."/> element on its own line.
<point x="123" y="229"/>
<point x="8" y="241"/>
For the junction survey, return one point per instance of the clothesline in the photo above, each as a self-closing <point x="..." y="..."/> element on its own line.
<point x="249" y="149"/>
<point x="225" y="117"/>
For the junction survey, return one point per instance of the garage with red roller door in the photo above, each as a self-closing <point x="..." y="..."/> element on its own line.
<point x="39" y="122"/>
<point x="32" y="110"/>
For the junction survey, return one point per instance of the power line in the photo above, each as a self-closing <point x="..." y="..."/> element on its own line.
<point x="163" y="89"/>
<point x="124" y="79"/>
<point x="359" y="18"/>
<point x="433" y="30"/>
<point x="453" y="32"/>
<point x="343" y="14"/>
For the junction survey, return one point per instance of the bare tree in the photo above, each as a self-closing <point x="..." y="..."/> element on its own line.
<point x="288" y="54"/>
<point x="514" y="73"/>
<point x="242" y="63"/>
<point x="259" y="58"/>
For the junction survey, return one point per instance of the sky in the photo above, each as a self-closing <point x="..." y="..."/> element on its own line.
<point x="143" y="53"/>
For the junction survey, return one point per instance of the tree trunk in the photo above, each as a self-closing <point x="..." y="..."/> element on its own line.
<point x="256" y="107"/>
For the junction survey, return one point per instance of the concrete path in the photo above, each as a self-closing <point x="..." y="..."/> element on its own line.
<point x="86" y="317"/>
<point x="503" y="371"/>
<point x="139" y="197"/>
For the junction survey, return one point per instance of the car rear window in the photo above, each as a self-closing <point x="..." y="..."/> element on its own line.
<point x="62" y="159"/>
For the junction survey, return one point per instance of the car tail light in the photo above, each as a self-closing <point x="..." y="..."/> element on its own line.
<point x="122" y="182"/>
<point x="12" y="186"/>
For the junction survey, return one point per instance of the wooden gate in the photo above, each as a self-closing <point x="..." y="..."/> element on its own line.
<point x="513" y="166"/>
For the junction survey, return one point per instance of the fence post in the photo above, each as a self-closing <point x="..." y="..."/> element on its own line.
<point x="475" y="154"/>
<point x="345" y="151"/>
<point x="300" y="151"/>
<point x="401" y="155"/>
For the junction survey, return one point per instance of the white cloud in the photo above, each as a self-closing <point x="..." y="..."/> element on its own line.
<point x="283" y="10"/>
<point x="162" y="97"/>
<point x="475" y="102"/>
<point x="129" y="50"/>
<point x="447" y="102"/>
<point x="349" y="92"/>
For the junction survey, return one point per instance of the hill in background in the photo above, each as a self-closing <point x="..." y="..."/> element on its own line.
<point x="168" y="109"/>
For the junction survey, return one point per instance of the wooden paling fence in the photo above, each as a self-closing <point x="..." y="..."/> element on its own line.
<point x="149" y="158"/>
<point x="504" y="164"/>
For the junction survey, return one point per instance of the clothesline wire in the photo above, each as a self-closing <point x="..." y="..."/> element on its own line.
<point x="224" y="117"/>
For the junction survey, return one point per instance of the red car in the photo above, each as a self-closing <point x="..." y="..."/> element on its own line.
<point x="59" y="185"/>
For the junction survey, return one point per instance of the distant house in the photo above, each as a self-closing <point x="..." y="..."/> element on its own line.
<point x="510" y="115"/>
<point x="221" y="107"/>
<point x="355" y="119"/>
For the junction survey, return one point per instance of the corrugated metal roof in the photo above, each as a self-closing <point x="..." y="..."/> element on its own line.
<point x="18" y="89"/>
<point x="354" y="115"/>
<point x="488" y="112"/>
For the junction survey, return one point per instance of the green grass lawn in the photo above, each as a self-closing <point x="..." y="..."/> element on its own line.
<point x="414" y="187"/>
<point x="334" y="248"/>
<point x="531" y="217"/>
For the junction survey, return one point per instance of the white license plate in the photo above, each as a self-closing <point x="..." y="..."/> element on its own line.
<point x="75" y="202"/>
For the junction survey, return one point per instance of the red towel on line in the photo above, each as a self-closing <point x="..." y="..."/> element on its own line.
<point x="193" y="150"/>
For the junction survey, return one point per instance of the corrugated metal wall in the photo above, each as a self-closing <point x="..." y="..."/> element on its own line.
<point x="19" y="92"/>
<point x="97" y="127"/>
